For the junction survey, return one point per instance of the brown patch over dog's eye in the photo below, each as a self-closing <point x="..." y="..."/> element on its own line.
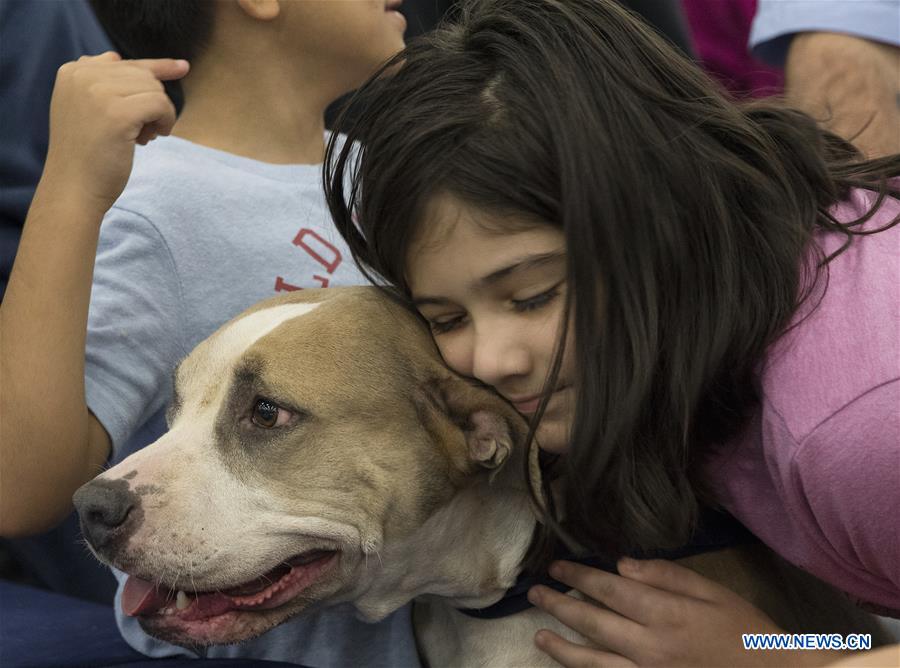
<point x="265" y="414"/>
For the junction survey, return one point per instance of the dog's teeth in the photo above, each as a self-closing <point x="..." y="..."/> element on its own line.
<point x="182" y="601"/>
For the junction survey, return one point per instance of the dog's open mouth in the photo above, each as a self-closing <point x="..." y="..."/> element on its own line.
<point x="141" y="598"/>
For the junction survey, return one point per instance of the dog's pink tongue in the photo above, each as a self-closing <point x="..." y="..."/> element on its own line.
<point x="141" y="597"/>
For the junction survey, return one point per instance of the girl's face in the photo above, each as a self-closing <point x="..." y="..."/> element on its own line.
<point x="495" y="301"/>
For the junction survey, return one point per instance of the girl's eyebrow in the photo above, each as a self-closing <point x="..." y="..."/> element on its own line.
<point x="526" y="263"/>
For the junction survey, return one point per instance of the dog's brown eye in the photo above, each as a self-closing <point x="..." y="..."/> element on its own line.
<point x="266" y="414"/>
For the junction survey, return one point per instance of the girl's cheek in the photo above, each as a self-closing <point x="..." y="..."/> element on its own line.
<point x="553" y="438"/>
<point x="456" y="356"/>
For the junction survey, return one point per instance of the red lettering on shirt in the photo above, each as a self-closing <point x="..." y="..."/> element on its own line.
<point x="319" y="251"/>
<point x="282" y="285"/>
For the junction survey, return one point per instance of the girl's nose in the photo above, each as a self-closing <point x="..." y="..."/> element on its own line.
<point x="499" y="355"/>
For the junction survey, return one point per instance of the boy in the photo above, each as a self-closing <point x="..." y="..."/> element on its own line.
<point x="226" y="211"/>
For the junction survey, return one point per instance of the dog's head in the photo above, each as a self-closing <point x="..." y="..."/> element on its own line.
<point x="318" y="452"/>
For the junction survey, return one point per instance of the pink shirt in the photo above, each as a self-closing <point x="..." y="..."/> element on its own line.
<point x="817" y="474"/>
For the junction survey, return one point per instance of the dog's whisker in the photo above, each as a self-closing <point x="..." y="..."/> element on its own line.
<point x="177" y="579"/>
<point x="169" y="591"/>
<point x="191" y="573"/>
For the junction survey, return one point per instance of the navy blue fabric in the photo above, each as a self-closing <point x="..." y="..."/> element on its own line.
<point x="40" y="628"/>
<point x="716" y="531"/>
<point x="36" y="38"/>
<point x="59" y="561"/>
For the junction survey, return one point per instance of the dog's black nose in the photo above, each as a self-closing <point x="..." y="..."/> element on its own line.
<point x="105" y="508"/>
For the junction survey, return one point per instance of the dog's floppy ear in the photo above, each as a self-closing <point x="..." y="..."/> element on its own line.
<point x="450" y="406"/>
<point x="478" y="429"/>
<point x="488" y="438"/>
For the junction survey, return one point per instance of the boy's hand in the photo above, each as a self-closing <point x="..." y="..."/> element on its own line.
<point x="658" y="614"/>
<point x="101" y="106"/>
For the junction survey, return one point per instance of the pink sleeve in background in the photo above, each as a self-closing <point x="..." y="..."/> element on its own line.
<point x="720" y="30"/>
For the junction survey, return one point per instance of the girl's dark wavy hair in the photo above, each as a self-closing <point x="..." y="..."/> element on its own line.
<point x="687" y="218"/>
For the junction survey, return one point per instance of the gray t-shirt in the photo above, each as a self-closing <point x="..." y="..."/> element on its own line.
<point x="197" y="236"/>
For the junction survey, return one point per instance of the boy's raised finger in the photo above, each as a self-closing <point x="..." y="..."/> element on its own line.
<point x="149" y="114"/>
<point x="164" y="69"/>
<point x="105" y="57"/>
<point x="127" y="85"/>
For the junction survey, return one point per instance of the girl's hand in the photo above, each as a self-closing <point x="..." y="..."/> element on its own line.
<point x="658" y="614"/>
<point x="101" y="106"/>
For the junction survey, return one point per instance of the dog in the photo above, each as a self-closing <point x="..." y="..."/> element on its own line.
<point x="320" y="452"/>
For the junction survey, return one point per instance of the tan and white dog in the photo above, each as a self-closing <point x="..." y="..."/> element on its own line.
<point x="319" y="452"/>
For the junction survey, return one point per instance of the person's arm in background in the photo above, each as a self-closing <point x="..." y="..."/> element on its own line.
<point x="50" y="443"/>
<point x="842" y="64"/>
<point x="850" y="84"/>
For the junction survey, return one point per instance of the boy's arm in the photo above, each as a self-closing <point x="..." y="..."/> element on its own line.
<point x="50" y="443"/>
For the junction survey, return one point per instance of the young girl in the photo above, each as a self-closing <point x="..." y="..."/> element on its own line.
<point x="694" y="301"/>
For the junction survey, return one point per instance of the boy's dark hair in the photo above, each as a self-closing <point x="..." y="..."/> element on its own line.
<point x="687" y="220"/>
<point x="157" y="29"/>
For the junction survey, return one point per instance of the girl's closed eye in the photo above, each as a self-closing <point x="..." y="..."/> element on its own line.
<point x="537" y="301"/>
<point x="444" y="325"/>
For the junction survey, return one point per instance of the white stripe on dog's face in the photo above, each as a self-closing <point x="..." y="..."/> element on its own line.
<point x="212" y="362"/>
<point x="230" y="343"/>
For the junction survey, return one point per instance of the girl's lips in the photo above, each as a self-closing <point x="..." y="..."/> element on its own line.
<point x="529" y="405"/>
